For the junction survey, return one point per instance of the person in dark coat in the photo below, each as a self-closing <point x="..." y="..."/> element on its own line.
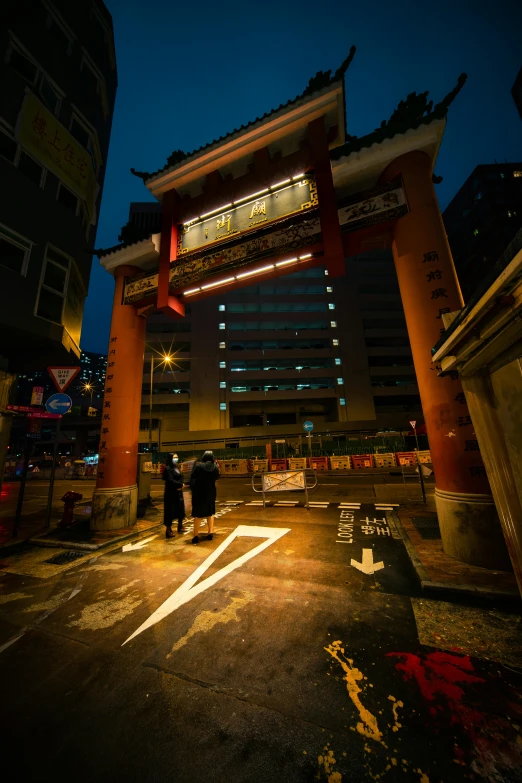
<point x="203" y="485"/>
<point x="174" y="504"/>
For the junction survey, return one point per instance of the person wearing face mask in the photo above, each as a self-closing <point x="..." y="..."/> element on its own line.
<point x="174" y="504"/>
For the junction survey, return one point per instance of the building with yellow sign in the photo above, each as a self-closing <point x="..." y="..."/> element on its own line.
<point x="59" y="84"/>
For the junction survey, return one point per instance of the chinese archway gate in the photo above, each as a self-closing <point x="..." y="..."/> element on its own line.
<point x="286" y="191"/>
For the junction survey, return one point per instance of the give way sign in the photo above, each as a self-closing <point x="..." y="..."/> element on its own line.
<point x="63" y="376"/>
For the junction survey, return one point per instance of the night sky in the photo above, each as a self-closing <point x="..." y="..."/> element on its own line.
<point x="191" y="72"/>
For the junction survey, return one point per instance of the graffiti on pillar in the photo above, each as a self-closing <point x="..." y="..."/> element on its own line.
<point x="472" y="445"/>
<point x="478" y="470"/>
<point x="432" y="255"/>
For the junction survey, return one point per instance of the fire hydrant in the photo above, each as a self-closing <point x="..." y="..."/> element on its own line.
<point x="69" y="499"/>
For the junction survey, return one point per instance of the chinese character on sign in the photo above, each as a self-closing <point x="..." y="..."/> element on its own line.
<point x="259" y="208"/>
<point x="223" y="221"/>
<point x="464" y="421"/>
<point x="437" y="293"/>
<point x="68" y="154"/>
<point x="460" y="398"/>
<point x="435" y="274"/>
<point x="81" y="166"/>
<point x="431" y="256"/>
<point x="472" y="445"/>
<point x="54" y="142"/>
<point x="39" y="125"/>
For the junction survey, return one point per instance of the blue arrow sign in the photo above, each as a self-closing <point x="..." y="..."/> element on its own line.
<point x="308" y="426"/>
<point x="58" y="403"/>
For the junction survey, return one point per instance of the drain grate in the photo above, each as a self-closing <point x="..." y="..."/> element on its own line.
<point x="428" y="527"/>
<point x="65" y="557"/>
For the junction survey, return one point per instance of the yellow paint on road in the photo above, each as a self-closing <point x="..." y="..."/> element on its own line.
<point x="327" y="763"/>
<point x="50" y="604"/>
<point x="205" y="621"/>
<point x="367" y="726"/>
<point x="395" y="706"/>
<point x="105" y="613"/>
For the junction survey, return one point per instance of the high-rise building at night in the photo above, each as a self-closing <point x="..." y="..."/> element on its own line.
<point x="482" y="219"/>
<point x="58" y="75"/>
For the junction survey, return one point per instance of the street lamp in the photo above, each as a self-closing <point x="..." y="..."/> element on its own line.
<point x="165" y="359"/>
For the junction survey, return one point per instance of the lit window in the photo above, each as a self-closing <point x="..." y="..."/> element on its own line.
<point x="333" y="324"/>
<point x="222" y="345"/>
<point x="221" y="308"/>
<point x="222" y="384"/>
<point x="475" y="232"/>
<point x="222" y="365"/>
<point x="222" y="406"/>
<point x="335" y="341"/>
<point x="222" y="326"/>
<point x="510" y="213"/>
<point x="342" y="401"/>
<point x="340" y="382"/>
<point x="338" y="361"/>
<point x="326" y="272"/>
<point x="331" y="306"/>
<point x="502" y="175"/>
<point x="517" y="173"/>
<point x="329" y="289"/>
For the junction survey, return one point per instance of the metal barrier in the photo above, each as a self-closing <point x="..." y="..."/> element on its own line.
<point x="284" y="481"/>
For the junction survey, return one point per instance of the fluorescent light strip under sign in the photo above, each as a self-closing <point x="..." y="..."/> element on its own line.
<point x="244" y="275"/>
<point x="241" y="200"/>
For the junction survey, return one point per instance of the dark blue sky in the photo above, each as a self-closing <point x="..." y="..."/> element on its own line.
<point x="190" y="72"/>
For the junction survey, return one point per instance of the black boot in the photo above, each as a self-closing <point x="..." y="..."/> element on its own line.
<point x="169" y="533"/>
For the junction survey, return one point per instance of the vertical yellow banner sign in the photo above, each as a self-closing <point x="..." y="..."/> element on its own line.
<point x="47" y="140"/>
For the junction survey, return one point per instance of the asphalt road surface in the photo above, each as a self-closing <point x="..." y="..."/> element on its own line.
<point x="293" y="647"/>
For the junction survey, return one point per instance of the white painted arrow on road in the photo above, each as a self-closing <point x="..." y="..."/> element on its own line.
<point x="367" y="566"/>
<point x="137" y="545"/>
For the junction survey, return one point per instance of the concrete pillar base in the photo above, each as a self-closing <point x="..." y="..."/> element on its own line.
<point x="470" y="529"/>
<point x="114" y="508"/>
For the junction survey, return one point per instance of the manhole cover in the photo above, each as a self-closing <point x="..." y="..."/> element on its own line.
<point x="65" y="557"/>
<point x="428" y="527"/>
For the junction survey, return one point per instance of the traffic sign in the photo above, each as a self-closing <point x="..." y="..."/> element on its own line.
<point x="44" y="414"/>
<point x="308" y="426"/>
<point x="413" y="423"/>
<point x="58" y="403"/>
<point x="37" y="395"/>
<point x="63" y="376"/>
<point x="20" y="408"/>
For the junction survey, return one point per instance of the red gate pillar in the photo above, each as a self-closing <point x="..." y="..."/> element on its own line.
<point x="469" y="524"/>
<point x="114" y="502"/>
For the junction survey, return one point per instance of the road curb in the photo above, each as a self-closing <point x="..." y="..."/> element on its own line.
<point x="81" y="547"/>
<point x="441" y="589"/>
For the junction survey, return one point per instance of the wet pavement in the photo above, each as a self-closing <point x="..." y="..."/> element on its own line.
<point x="295" y="646"/>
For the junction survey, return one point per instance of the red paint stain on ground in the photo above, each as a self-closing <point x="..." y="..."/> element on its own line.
<point x="441" y="677"/>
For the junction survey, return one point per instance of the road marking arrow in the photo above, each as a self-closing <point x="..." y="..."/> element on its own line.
<point x="137" y="545"/>
<point x="367" y="566"/>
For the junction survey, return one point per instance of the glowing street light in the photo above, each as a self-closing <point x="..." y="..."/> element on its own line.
<point x="166" y="358"/>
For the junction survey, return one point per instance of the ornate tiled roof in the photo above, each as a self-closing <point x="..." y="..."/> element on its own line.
<point x="410" y="114"/>
<point x="317" y="83"/>
<point x="102" y="252"/>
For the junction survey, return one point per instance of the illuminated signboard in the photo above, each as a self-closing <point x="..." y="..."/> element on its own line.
<point x="249" y="214"/>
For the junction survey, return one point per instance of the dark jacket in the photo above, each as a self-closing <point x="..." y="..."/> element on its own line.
<point x="174" y="505"/>
<point x="203" y="485"/>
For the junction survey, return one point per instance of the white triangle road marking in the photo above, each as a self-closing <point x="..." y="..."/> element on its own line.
<point x="187" y="591"/>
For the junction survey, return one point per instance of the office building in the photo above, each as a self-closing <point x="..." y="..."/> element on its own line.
<point x="482" y="219"/>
